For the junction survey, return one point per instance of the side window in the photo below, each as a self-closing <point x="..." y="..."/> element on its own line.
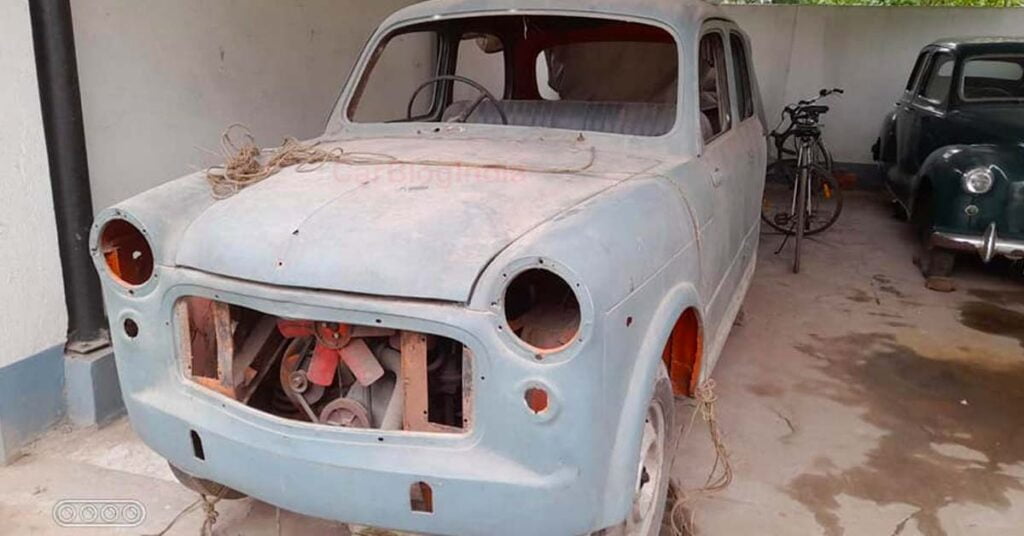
<point x="742" y="74"/>
<point x="939" y="78"/>
<point x="481" y="59"/>
<point x="398" y="67"/>
<point x="918" y="65"/>
<point x="714" y="86"/>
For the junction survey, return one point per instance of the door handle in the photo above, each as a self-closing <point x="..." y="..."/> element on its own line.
<point x="716" y="176"/>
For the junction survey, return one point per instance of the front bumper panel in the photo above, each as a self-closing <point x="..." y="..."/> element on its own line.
<point x="988" y="245"/>
<point x="513" y="472"/>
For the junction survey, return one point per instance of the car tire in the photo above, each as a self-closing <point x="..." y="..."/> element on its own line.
<point x="648" y="511"/>
<point x="932" y="261"/>
<point x="205" y="487"/>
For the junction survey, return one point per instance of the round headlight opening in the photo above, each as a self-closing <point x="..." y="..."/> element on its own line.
<point x="978" y="181"/>
<point x="542" y="310"/>
<point x="126" y="253"/>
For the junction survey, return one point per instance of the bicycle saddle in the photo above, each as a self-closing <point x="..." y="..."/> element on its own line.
<point x="817" y="109"/>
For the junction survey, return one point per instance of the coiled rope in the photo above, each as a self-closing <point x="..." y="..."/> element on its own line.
<point x="681" y="515"/>
<point x="245" y="165"/>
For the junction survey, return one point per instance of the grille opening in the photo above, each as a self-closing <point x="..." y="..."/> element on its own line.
<point x="197" y="445"/>
<point x="542" y="310"/>
<point x="421" y="498"/>
<point x="327" y="373"/>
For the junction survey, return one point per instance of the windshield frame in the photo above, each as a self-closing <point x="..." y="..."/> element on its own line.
<point x="962" y="78"/>
<point x="340" y="121"/>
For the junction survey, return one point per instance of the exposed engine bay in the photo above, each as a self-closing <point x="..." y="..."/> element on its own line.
<point x="327" y="373"/>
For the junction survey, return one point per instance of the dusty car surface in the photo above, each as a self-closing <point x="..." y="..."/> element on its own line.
<point x="952" y="150"/>
<point x="540" y="226"/>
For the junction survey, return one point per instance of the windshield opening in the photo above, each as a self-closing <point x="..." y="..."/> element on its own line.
<point x="993" y="78"/>
<point x="574" y="73"/>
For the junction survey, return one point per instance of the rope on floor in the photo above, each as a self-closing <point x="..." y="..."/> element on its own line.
<point x="681" y="515"/>
<point x="209" y="506"/>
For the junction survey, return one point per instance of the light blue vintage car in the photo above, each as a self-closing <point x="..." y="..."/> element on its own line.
<point x="539" y="224"/>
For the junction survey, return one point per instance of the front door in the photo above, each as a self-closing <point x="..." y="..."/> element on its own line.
<point x="918" y="118"/>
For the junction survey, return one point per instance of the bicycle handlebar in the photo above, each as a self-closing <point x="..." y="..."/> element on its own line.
<point x="804" y="111"/>
<point x="792" y="109"/>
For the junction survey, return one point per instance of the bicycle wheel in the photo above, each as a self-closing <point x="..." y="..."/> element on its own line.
<point x="801" y="215"/>
<point x="825" y="202"/>
<point x="779" y="201"/>
<point x="784" y="164"/>
<point x="821" y="156"/>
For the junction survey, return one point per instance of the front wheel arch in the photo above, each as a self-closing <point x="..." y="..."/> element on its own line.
<point x="648" y="368"/>
<point x="923" y="191"/>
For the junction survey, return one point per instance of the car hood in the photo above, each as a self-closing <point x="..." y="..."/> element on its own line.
<point x="423" y="226"/>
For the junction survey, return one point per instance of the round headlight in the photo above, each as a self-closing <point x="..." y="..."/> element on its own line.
<point x="979" y="180"/>
<point x="126" y="253"/>
<point x="542" y="310"/>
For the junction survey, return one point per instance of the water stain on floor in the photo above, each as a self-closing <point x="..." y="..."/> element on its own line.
<point x="993" y="319"/>
<point x="859" y="296"/>
<point x="950" y="429"/>
<point x="998" y="296"/>
<point x="766" y="390"/>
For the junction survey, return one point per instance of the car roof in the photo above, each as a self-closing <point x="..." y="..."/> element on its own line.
<point x="978" y="44"/>
<point x="680" y="14"/>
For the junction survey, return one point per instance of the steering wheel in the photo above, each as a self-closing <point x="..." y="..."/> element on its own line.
<point x="464" y="116"/>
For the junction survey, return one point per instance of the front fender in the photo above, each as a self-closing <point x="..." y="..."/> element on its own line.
<point x="943" y="173"/>
<point x="634" y="248"/>
<point x="637" y="391"/>
<point x="163" y="213"/>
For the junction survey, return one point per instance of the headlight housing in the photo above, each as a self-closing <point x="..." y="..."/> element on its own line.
<point x="979" y="181"/>
<point x="126" y="252"/>
<point x="542" y="310"/>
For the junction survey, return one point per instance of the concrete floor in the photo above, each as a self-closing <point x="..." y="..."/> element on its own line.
<point x="854" y="401"/>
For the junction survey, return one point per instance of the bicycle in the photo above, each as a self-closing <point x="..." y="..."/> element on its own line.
<point x="802" y="197"/>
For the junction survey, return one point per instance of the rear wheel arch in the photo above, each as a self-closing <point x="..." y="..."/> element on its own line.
<point x="887" y="139"/>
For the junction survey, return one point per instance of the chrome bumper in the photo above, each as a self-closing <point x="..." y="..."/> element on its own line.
<point x="988" y="245"/>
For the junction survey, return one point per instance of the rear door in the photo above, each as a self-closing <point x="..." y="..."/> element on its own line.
<point x="748" y="188"/>
<point x="723" y="156"/>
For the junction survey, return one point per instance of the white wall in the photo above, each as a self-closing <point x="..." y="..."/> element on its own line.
<point x="32" y="312"/>
<point x="162" y="79"/>
<point x="868" y="51"/>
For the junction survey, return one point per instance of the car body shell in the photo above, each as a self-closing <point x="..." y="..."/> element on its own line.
<point x="644" y="228"/>
<point x="930" y="145"/>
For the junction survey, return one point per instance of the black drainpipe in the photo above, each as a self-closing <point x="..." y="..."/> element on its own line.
<point x="61" y="103"/>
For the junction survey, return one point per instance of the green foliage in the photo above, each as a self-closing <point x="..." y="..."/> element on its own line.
<point x="912" y="3"/>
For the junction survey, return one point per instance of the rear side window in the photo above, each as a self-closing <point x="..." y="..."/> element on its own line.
<point x="994" y="78"/>
<point x="742" y="74"/>
<point x="481" y="59"/>
<point x="939" y="78"/>
<point x="609" y="71"/>
<point x="714" y="87"/>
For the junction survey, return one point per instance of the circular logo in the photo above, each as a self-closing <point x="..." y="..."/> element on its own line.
<point x="114" y="513"/>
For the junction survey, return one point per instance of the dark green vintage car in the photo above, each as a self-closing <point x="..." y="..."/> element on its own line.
<point x="953" y="150"/>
